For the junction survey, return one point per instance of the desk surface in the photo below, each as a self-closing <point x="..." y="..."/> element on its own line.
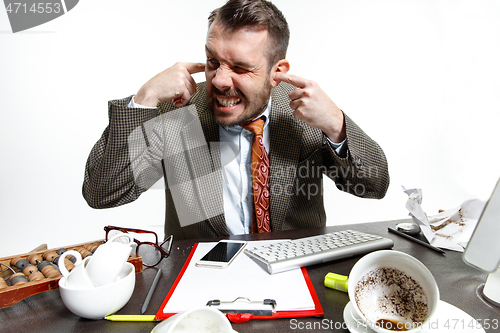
<point x="458" y="284"/>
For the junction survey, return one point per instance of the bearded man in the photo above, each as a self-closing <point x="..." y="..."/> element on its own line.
<point x="244" y="151"/>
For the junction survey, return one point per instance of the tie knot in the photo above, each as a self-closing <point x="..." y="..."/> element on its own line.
<point x="255" y="126"/>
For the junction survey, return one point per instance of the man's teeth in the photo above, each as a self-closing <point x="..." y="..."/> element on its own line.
<point x="228" y="102"/>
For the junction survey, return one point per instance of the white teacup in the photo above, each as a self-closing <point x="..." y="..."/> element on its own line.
<point x="78" y="277"/>
<point x="108" y="260"/>
<point x="196" y="320"/>
<point x="382" y="281"/>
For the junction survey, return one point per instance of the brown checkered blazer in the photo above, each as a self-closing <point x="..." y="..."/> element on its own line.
<point x="299" y="156"/>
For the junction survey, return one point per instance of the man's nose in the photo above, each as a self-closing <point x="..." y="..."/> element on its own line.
<point x="222" y="79"/>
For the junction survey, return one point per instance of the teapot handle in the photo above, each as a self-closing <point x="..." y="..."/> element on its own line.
<point x="62" y="267"/>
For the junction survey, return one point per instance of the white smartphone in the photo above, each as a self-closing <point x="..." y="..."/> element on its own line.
<point x="222" y="254"/>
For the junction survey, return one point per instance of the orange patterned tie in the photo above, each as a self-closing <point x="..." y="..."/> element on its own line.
<point x="260" y="177"/>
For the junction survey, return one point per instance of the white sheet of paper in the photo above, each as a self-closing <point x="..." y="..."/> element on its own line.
<point x="243" y="278"/>
<point x="450" y="229"/>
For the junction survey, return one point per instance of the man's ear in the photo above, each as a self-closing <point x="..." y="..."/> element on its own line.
<point x="282" y="66"/>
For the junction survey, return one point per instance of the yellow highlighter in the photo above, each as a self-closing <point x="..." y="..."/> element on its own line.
<point x="336" y="281"/>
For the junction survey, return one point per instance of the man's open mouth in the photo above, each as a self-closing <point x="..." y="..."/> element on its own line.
<point x="228" y="102"/>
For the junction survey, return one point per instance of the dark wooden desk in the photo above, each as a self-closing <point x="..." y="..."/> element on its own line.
<point x="458" y="284"/>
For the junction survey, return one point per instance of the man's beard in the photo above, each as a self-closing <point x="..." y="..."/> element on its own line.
<point x="252" y="109"/>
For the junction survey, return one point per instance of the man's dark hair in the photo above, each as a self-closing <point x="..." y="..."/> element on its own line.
<point x="237" y="14"/>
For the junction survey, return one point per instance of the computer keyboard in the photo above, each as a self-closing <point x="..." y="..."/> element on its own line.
<point x="289" y="254"/>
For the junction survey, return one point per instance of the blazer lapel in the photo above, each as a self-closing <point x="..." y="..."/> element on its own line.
<point x="216" y="222"/>
<point x="285" y="134"/>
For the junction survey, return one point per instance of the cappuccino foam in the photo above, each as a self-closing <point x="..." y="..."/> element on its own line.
<point x="390" y="294"/>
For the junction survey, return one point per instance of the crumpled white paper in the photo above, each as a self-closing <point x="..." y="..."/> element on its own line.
<point x="450" y="229"/>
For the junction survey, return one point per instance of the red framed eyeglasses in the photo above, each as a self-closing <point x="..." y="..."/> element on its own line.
<point x="151" y="252"/>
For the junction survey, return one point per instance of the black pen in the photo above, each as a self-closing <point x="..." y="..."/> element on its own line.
<point x="416" y="240"/>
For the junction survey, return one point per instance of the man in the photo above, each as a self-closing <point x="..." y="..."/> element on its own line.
<point x="302" y="132"/>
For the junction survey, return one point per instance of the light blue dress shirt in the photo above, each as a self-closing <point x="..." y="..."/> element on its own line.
<point x="237" y="174"/>
<point x="236" y="161"/>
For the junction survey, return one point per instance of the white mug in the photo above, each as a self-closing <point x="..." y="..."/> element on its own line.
<point x="108" y="260"/>
<point x="383" y="275"/>
<point x="201" y="320"/>
<point x="78" y="277"/>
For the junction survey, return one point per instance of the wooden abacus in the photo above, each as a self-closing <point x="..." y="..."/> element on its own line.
<point x="28" y="274"/>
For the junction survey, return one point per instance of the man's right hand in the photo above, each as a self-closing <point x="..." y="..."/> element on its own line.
<point x="173" y="84"/>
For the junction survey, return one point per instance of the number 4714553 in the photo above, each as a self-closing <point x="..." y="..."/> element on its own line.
<point x="35" y="8"/>
<point x="460" y="324"/>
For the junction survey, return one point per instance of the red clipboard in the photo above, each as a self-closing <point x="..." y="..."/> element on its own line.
<point x="237" y="317"/>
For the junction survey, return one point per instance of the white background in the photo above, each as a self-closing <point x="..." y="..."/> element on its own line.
<point x="420" y="77"/>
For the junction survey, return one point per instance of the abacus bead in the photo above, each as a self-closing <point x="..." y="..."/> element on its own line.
<point x="17" y="279"/>
<point x="30" y="270"/>
<point x="35" y="259"/>
<point x="3" y="284"/>
<point x="69" y="265"/>
<point x="48" y="269"/>
<point x="36" y="276"/>
<point x="43" y="264"/>
<point x="22" y="264"/>
<point x="50" y="255"/>
<point x="52" y="274"/>
<point x="83" y="252"/>
<point x="61" y="251"/>
<point x="45" y="269"/>
<point x="13" y="261"/>
<point x="56" y="260"/>
<point x="92" y="247"/>
<point x="71" y="258"/>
